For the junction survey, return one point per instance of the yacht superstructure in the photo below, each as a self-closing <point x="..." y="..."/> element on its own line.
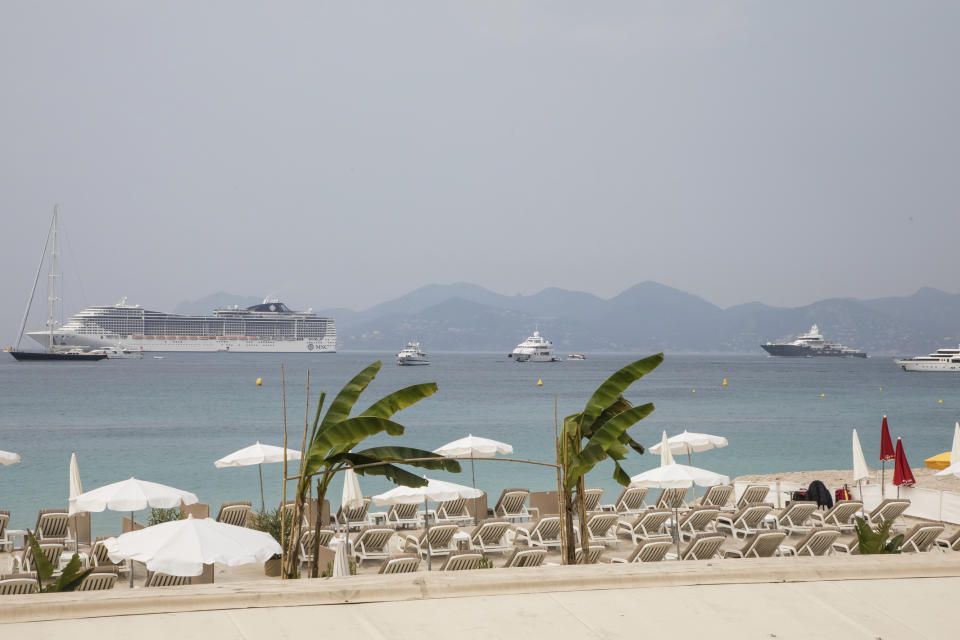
<point x="810" y="345"/>
<point x="412" y="354"/>
<point x="943" y="360"/>
<point x="536" y="348"/>
<point x="267" y="327"/>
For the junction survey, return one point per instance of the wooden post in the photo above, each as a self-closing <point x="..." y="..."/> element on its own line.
<point x="582" y="508"/>
<point x="560" y="501"/>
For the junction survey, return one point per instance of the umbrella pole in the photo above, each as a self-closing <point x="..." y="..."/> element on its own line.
<point x="131" y="559"/>
<point x="263" y="505"/>
<point x="863" y="510"/>
<point x="476" y="501"/>
<point x="676" y="529"/>
<point x="883" y="470"/>
<point x="426" y="535"/>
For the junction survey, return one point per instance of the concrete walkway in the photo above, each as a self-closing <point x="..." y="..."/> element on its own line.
<point x="907" y="596"/>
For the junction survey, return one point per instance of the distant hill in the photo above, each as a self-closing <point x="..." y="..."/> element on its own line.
<point x="648" y="316"/>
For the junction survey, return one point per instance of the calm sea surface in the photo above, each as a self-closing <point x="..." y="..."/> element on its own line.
<point x="168" y="420"/>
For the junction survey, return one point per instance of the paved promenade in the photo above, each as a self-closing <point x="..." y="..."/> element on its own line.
<point x="907" y="596"/>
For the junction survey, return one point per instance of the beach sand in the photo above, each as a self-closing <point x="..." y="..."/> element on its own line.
<point x="834" y="479"/>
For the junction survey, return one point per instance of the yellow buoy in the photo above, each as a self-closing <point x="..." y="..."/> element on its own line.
<point x="693" y="390"/>
<point x="259" y="382"/>
<point x="940" y="401"/>
<point x="724" y="382"/>
<point x="881" y="388"/>
<point x="540" y="383"/>
<point x="823" y="395"/>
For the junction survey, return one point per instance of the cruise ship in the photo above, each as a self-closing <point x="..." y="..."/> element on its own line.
<point x="267" y="327"/>
<point x="536" y="348"/>
<point x="942" y="360"/>
<point x="810" y="345"/>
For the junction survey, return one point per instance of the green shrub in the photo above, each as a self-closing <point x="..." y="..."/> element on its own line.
<point x="875" y="541"/>
<point x="159" y="516"/>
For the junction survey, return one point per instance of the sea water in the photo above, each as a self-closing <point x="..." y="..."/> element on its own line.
<point x="167" y="420"/>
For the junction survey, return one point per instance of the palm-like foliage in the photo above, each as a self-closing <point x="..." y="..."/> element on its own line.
<point x="70" y="578"/>
<point x="599" y="432"/>
<point x="332" y="442"/>
<point x="870" y="541"/>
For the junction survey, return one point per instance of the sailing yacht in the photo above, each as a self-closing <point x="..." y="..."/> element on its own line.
<point x="53" y="351"/>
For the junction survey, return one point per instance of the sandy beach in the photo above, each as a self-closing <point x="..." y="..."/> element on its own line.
<point x="835" y="478"/>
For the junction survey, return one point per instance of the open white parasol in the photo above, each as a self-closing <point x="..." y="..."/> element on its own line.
<point x="256" y="454"/>
<point x="9" y="457"/>
<point x="182" y="547"/>
<point x="954" y="468"/>
<point x="689" y="442"/>
<point x="474" y="447"/>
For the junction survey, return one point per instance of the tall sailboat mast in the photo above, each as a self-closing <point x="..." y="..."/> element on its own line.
<point x="52" y="298"/>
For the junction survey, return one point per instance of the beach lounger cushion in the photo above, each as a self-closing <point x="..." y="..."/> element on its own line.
<point x="19" y="584"/>
<point x="544" y="533"/>
<point x="463" y="561"/>
<point x="404" y="563"/>
<point x="649" y="524"/>
<point x="762" y="544"/>
<point x="525" y="558"/>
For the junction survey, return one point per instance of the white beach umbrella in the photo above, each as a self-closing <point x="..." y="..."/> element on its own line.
<point x="258" y="454"/>
<point x="670" y="475"/>
<point x="860" y="470"/>
<point x="352" y="497"/>
<point x="182" y="547"/>
<point x="131" y="495"/>
<point x="689" y="442"/>
<point x="9" y="457"/>
<point x="474" y="447"/>
<point x="433" y="491"/>
<point x="954" y="468"/>
<point x="76" y="488"/>
<point x="341" y="564"/>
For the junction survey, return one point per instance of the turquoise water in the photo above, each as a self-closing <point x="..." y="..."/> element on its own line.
<point x="168" y="420"/>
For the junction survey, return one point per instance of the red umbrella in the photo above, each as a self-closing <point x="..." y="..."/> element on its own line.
<point x="886" y="446"/>
<point x="886" y="453"/>
<point x="901" y="469"/>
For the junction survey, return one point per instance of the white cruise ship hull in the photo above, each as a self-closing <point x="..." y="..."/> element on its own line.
<point x="239" y="344"/>
<point x="915" y="365"/>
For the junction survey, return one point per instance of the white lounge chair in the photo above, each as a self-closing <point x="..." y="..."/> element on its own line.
<point x="357" y="516"/>
<point x="372" y="543"/>
<point x="753" y="494"/>
<point x="921" y="537"/>
<point x="435" y="541"/>
<point x="762" y="544"/>
<point x="653" y="550"/>
<point x="5" y="543"/>
<point x="818" y="542"/>
<point x="840" y="515"/>
<point x="307" y="542"/>
<point x="795" y="517"/>
<point x="512" y="505"/>
<point x="632" y="501"/>
<point x="888" y="511"/>
<point x="235" y="513"/>
<point x="525" y="558"/>
<point x="949" y="543"/>
<point x="490" y="536"/>
<point x="702" y="546"/>
<point x="52" y="549"/>
<point x="18" y="584"/>
<point x="649" y="524"/>
<point x="545" y="533"/>
<point x="156" y="579"/>
<point x="52" y="524"/>
<point x="717" y="496"/>
<point x="698" y="520"/>
<point x="601" y="527"/>
<point x="591" y="498"/>
<point x="453" y="512"/>
<point x="403" y="515"/>
<point x="670" y="499"/>
<point x="596" y="552"/>
<point x="101" y="579"/>
<point x="463" y="561"/>
<point x="405" y="563"/>
<point x="745" y="521"/>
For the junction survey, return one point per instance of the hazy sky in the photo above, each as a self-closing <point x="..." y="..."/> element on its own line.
<point x="340" y="154"/>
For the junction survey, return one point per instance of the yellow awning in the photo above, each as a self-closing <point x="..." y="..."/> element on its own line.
<point x="939" y="461"/>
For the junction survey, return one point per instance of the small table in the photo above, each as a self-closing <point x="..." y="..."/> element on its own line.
<point x="17" y="533"/>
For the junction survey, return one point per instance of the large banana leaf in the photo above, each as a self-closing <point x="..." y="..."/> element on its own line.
<point x="388" y="405"/>
<point x="342" y="405"/>
<point x="70" y="578"/>
<point x="395" y="474"/>
<point x="43" y="565"/>
<point x="347" y="431"/>
<point x="614" y="386"/>
<point x="404" y="454"/>
<point x="605" y="437"/>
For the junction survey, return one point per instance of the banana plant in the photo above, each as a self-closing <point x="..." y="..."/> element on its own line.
<point x="332" y="446"/>
<point x="69" y="579"/>
<point x="870" y="541"/>
<point x="598" y="433"/>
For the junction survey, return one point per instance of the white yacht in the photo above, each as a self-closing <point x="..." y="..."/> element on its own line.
<point x="412" y="354"/>
<point x="119" y="352"/>
<point x="536" y="348"/>
<point x="942" y="360"/>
